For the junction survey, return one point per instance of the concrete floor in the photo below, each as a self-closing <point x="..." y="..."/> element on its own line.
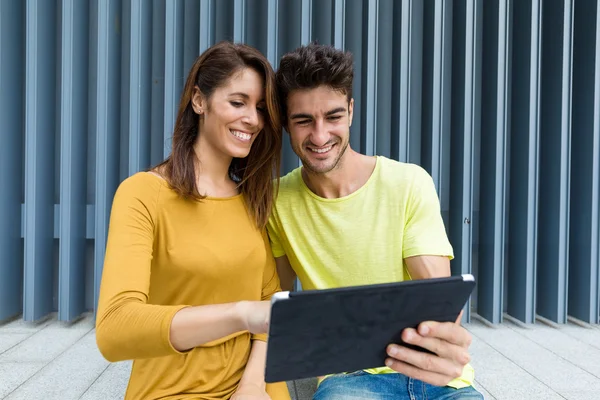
<point x="52" y="360"/>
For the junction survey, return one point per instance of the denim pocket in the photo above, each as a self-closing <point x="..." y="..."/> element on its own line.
<point x="342" y="375"/>
<point x="355" y="373"/>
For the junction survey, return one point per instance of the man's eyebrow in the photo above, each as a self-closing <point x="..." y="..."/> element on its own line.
<point x="301" y="116"/>
<point x="327" y="114"/>
<point x="335" y="111"/>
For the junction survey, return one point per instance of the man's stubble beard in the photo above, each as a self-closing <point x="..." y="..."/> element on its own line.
<point x="334" y="165"/>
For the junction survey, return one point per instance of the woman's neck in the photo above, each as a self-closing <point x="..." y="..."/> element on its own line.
<point x="212" y="172"/>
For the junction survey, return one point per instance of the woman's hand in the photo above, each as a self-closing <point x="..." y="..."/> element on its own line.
<point x="250" y="391"/>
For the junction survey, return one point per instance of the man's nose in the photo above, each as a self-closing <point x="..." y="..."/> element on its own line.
<point x="319" y="136"/>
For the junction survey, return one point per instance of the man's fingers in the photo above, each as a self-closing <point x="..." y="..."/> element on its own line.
<point x="428" y="362"/>
<point x="448" y="331"/>
<point x="442" y="348"/>
<point x="459" y="318"/>
<point x="432" y="378"/>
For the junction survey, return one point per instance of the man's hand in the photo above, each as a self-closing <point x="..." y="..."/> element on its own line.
<point x="250" y="392"/>
<point x="450" y="343"/>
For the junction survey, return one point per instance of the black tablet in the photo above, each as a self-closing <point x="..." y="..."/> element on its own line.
<point x="321" y="332"/>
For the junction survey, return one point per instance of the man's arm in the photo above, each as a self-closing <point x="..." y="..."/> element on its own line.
<point x="285" y="272"/>
<point x="425" y="267"/>
<point x="449" y="341"/>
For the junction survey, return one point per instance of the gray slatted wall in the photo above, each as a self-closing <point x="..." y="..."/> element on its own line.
<point x="498" y="99"/>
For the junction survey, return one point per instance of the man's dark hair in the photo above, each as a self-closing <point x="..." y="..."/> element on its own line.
<point x="311" y="66"/>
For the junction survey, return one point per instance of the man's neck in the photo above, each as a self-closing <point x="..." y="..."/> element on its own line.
<point x="352" y="172"/>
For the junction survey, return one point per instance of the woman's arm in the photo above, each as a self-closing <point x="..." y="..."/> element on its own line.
<point x="252" y="384"/>
<point x="129" y="328"/>
<point x="194" y="326"/>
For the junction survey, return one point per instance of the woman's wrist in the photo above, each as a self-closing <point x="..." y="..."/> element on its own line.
<point x="241" y="311"/>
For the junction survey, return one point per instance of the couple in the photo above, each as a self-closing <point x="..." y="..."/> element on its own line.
<point x="199" y="244"/>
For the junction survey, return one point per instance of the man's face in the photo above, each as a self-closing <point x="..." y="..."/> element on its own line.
<point x="318" y="122"/>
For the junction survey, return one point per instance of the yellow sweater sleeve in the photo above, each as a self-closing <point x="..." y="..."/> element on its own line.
<point x="126" y="326"/>
<point x="271" y="283"/>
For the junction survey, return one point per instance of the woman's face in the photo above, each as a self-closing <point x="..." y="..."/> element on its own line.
<point x="234" y="115"/>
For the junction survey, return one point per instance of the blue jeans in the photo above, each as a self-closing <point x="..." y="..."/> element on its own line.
<point x="364" y="386"/>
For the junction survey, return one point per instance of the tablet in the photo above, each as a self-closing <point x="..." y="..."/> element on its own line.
<point x="321" y="332"/>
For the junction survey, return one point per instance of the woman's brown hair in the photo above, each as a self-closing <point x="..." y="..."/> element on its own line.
<point x="254" y="173"/>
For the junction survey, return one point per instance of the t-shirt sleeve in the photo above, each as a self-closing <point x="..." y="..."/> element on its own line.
<point x="275" y="236"/>
<point x="270" y="285"/>
<point x="127" y="327"/>
<point x="424" y="231"/>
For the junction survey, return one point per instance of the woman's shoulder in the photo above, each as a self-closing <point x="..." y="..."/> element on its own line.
<point x="144" y="180"/>
<point x="144" y="187"/>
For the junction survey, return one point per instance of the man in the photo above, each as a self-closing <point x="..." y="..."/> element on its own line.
<point x="345" y="219"/>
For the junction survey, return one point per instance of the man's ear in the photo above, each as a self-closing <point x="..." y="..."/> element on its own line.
<point x="198" y="101"/>
<point x="350" y="111"/>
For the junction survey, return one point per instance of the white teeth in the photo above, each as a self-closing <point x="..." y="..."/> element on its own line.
<point x="241" y="135"/>
<point x="322" y="150"/>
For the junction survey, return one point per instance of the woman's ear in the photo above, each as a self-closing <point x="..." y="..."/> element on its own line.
<point x="198" y="102"/>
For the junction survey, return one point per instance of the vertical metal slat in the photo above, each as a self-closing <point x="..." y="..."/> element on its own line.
<point x="353" y="42"/>
<point x="466" y="125"/>
<point x="12" y="67"/>
<point x="585" y="176"/>
<point x="140" y="68"/>
<point x="40" y="121"/>
<point x="124" y="136"/>
<point x="191" y="39"/>
<point x="323" y="22"/>
<point x="306" y="15"/>
<point x="495" y="122"/>
<point x="239" y="21"/>
<point x="388" y="37"/>
<point x="273" y="32"/>
<point x="472" y="124"/>
<point x="174" y="79"/>
<point x="436" y="100"/>
<point x="338" y="23"/>
<point x="596" y="173"/>
<point x="157" y="83"/>
<point x="106" y="127"/>
<point x="207" y="24"/>
<point x="440" y="118"/>
<point x="223" y="20"/>
<point x="291" y="36"/>
<point x="410" y="81"/>
<point x="524" y="160"/>
<point x="553" y="245"/>
<point x="369" y="103"/>
<point x="73" y="131"/>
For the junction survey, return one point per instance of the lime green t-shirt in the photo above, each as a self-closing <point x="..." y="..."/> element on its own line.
<point x="361" y="238"/>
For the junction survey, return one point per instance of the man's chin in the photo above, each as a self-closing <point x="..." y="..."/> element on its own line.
<point x="318" y="168"/>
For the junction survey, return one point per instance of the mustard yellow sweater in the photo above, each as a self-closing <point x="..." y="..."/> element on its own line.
<point x="165" y="253"/>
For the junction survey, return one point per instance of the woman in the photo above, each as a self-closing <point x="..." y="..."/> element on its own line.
<point x="188" y="272"/>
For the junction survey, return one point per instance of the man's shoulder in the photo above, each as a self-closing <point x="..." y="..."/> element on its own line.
<point x="402" y="173"/>
<point x="290" y="185"/>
